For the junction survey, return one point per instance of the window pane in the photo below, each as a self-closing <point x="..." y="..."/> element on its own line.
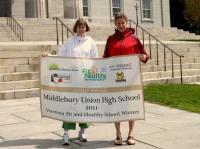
<point x="85" y="11"/>
<point x="85" y="8"/>
<point x="146" y="14"/>
<point x="85" y="2"/>
<point x="116" y="3"/>
<point x="146" y="4"/>
<point x="115" y="10"/>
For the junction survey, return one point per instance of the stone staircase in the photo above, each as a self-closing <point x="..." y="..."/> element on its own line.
<point x="19" y="61"/>
<point x="19" y="67"/>
<point x="45" y="30"/>
<point x="170" y="33"/>
<point x="19" y="70"/>
<point x="153" y="73"/>
<point x="5" y="32"/>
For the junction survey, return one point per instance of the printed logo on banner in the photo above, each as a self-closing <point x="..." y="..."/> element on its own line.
<point x="121" y="66"/>
<point x="92" y="74"/>
<point x="57" y="67"/>
<point x="61" y="78"/>
<point x="54" y="67"/>
<point x="120" y="77"/>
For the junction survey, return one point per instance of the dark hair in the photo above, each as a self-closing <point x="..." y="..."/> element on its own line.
<point x="120" y="15"/>
<point x="80" y="22"/>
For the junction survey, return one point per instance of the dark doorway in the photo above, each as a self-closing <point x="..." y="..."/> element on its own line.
<point x="176" y="13"/>
<point x="5" y="8"/>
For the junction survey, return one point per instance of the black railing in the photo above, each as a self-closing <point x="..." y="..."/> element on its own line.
<point x="158" y="42"/>
<point x="63" y="26"/>
<point x="16" y="27"/>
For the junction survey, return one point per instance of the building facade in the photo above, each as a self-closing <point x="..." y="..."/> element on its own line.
<point x="145" y="12"/>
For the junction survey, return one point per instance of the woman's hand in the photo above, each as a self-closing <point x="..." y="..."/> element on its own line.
<point x="45" y="54"/>
<point x="144" y="57"/>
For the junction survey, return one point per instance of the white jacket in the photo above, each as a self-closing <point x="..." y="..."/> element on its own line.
<point x="77" y="46"/>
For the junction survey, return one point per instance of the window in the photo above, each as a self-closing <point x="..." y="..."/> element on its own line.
<point x="85" y="8"/>
<point x="116" y="7"/>
<point x="147" y="9"/>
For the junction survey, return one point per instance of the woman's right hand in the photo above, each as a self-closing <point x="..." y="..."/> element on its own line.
<point x="45" y="54"/>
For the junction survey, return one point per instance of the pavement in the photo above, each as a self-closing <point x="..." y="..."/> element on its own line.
<point x="21" y="127"/>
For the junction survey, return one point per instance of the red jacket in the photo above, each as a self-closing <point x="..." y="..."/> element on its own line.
<point x="124" y="43"/>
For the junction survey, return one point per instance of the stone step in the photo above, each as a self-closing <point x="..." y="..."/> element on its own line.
<point x="169" y="61"/>
<point x="41" y="38"/>
<point x="36" y="60"/>
<point x="22" y="46"/>
<point x="186" y="80"/>
<point x="17" y="94"/>
<point x="166" y="74"/>
<point x="19" y="76"/>
<point x="6" y="34"/>
<point x="155" y="68"/>
<point x="34" y="92"/>
<point x="19" y="68"/>
<point x="18" y="61"/>
<point x="34" y="25"/>
<point x="145" y="68"/>
<point x="14" y="61"/>
<point x="169" y="54"/>
<point x="157" y="71"/>
<point x="15" y="85"/>
<point x="16" y="54"/>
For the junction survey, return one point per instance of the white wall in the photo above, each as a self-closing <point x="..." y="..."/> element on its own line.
<point x="100" y="10"/>
<point x="18" y="8"/>
<point x="56" y="8"/>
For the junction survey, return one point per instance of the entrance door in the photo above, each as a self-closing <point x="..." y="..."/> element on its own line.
<point x="5" y="8"/>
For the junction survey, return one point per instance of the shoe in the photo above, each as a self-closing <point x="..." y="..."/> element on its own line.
<point x="82" y="136"/>
<point x="118" y="141"/>
<point x="130" y="140"/>
<point x="65" y="139"/>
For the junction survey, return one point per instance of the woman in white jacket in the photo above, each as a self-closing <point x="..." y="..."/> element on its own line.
<point x="78" y="45"/>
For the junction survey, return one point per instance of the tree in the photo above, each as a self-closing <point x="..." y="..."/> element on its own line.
<point x="192" y="14"/>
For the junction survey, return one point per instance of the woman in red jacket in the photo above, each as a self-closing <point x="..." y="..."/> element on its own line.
<point x="123" y="42"/>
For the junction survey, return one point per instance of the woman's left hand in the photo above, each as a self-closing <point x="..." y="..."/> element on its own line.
<point x="143" y="57"/>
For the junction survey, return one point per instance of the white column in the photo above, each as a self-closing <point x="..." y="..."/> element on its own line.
<point x="78" y="7"/>
<point x="43" y="9"/>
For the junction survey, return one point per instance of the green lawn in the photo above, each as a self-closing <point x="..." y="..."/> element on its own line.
<point x="185" y="97"/>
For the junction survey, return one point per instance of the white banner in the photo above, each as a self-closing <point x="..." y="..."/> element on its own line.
<point x="91" y="90"/>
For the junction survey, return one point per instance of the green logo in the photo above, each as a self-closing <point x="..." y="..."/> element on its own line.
<point x="93" y="75"/>
<point x="54" y="67"/>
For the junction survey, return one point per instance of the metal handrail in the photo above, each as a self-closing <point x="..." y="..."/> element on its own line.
<point x="58" y="20"/>
<point x="150" y="36"/>
<point x="16" y="27"/>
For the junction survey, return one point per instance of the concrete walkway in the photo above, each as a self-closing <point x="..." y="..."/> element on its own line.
<point x="21" y="127"/>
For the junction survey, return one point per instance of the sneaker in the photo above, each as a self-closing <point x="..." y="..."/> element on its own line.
<point x="65" y="139"/>
<point x="82" y="136"/>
